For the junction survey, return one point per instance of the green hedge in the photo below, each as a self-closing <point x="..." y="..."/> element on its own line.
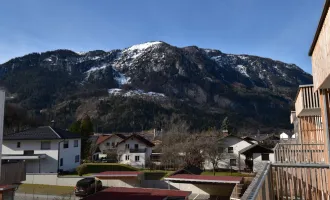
<point x="154" y="175"/>
<point x="88" y="168"/>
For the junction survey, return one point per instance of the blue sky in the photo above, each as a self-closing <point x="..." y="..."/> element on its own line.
<point x="281" y="29"/>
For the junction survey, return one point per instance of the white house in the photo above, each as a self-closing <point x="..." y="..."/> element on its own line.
<point x="44" y="149"/>
<point x="133" y="150"/>
<point x="284" y="136"/>
<point x="230" y="159"/>
<point x="255" y="155"/>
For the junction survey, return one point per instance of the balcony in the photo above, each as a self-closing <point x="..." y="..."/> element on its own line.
<point x="307" y="101"/>
<point x="12" y="173"/>
<point x="136" y="150"/>
<point x="299" y="153"/>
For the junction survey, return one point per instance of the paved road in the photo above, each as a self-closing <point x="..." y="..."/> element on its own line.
<point x="19" y="196"/>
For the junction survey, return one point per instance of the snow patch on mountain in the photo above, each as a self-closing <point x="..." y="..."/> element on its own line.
<point x="133" y="93"/>
<point x="243" y="57"/>
<point x="242" y="69"/>
<point x="136" y="51"/>
<point x="141" y="47"/>
<point x="121" y="78"/>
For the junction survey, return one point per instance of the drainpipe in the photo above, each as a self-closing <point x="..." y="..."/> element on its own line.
<point x="326" y="122"/>
<point x="58" y="156"/>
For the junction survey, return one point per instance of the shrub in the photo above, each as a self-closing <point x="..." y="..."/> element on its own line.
<point x="87" y="168"/>
<point x="82" y="169"/>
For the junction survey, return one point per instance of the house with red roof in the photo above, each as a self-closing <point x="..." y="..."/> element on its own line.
<point x="133" y="149"/>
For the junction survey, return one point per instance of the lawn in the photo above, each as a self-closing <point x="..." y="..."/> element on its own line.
<point x="225" y="174"/>
<point x="45" y="189"/>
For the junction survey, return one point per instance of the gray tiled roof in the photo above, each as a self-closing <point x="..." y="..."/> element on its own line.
<point x="41" y="133"/>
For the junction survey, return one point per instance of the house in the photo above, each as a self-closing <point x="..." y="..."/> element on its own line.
<point x="109" y="142"/>
<point x="230" y="158"/>
<point x="44" y="149"/>
<point x="12" y="173"/>
<point x="255" y="155"/>
<point x="134" y="150"/>
<point x="269" y="140"/>
<point x="284" y="136"/>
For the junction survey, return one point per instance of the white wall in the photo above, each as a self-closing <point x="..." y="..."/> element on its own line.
<point x="69" y="154"/>
<point x="53" y="179"/>
<point x="237" y="144"/>
<point x="257" y="161"/>
<point x="113" y="139"/>
<point x="121" y="150"/>
<point x="47" y="165"/>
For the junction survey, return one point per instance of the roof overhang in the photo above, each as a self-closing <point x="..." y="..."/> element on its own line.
<point x="23" y="157"/>
<point x="195" y="180"/>
<point x="319" y="28"/>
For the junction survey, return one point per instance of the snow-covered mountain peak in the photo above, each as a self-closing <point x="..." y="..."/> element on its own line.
<point x="143" y="46"/>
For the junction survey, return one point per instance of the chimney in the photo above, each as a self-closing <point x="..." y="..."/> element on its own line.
<point x="155" y="133"/>
<point x="52" y="123"/>
<point x="225" y="133"/>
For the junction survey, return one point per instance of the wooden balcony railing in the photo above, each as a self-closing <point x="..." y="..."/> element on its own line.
<point x="289" y="181"/>
<point x="307" y="101"/>
<point x="12" y="173"/>
<point x="299" y="153"/>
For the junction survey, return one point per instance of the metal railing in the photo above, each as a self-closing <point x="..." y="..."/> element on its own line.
<point x="261" y="186"/>
<point x="299" y="153"/>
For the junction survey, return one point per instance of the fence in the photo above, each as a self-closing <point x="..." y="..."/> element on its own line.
<point x="299" y="153"/>
<point x="33" y="196"/>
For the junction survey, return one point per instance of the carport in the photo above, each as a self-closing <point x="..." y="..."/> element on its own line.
<point x="201" y="185"/>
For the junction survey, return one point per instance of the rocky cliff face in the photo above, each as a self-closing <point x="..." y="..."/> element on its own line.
<point x="190" y="82"/>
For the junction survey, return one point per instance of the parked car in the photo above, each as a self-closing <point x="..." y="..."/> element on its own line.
<point x="87" y="186"/>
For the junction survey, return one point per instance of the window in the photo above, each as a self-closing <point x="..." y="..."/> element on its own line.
<point x="45" y="145"/>
<point x="75" y="143"/>
<point x="113" y="145"/>
<point x="18" y="145"/>
<point x="136" y="146"/>
<point x="28" y="152"/>
<point x="127" y="146"/>
<point x="61" y="162"/>
<point x="127" y="157"/>
<point x="232" y="162"/>
<point x="65" y="144"/>
<point x="137" y="158"/>
<point x="76" y="159"/>
<point x="108" y="144"/>
<point x="230" y="149"/>
<point x="265" y="156"/>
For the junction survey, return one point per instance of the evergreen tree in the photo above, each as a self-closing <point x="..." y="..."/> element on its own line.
<point x="85" y="129"/>
<point x="75" y="127"/>
<point x="225" y="124"/>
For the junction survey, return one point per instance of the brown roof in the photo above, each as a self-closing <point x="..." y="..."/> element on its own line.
<point x="103" y="138"/>
<point x="205" y="178"/>
<point x="319" y="28"/>
<point x="137" y="194"/>
<point x="140" y="138"/>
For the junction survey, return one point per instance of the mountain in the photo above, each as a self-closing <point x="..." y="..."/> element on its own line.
<point x="150" y="84"/>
